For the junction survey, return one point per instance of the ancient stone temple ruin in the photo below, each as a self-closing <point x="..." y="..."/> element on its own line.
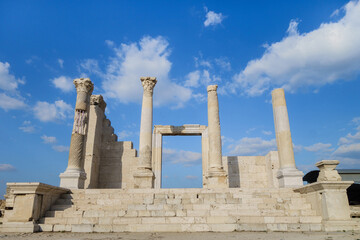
<point x="109" y="187"/>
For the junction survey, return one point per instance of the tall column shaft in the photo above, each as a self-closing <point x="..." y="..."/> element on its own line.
<point x="74" y="176"/>
<point x="144" y="176"/>
<point x="282" y="129"/>
<point x="216" y="176"/>
<point x="215" y="156"/>
<point x="288" y="175"/>
<point x="145" y="142"/>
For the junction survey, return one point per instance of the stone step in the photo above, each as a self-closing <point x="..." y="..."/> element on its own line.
<point x="166" y="227"/>
<point x="181" y="220"/>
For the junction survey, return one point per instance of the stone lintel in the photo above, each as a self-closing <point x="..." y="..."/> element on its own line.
<point x="186" y="129"/>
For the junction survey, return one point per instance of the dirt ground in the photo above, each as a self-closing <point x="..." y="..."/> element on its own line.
<point x="187" y="236"/>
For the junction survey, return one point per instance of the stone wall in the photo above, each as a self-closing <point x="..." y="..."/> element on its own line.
<point x="252" y="171"/>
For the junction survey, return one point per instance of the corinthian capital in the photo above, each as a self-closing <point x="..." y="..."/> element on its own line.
<point x="84" y="85"/>
<point x="211" y="88"/>
<point x="148" y="84"/>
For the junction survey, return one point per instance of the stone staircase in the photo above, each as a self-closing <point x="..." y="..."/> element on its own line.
<point x="181" y="210"/>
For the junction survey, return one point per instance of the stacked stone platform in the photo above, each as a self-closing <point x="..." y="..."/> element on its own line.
<point x="181" y="210"/>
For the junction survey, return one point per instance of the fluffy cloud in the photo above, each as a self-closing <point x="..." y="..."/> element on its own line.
<point x="252" y="146"/>
<point x="323" y="56"/>
<point x="8" y="82"/>
<point x="8" y="103"/>
<point x="10" y="98"/>
<point x="48" y="139"/>
<point x="47" y="112"/>
<point x="319" y="147"/>
<point x="64" y="83"/>
<point x="187" y="158"/>
<point x="60" y="148"/>
<point x="213" y="19"/>
<point x="200" y="78"/>
<point x="148" y="57"/>
<point x="61" y="62"/>
<point x="27" y="127"/>
<point x="348" y="150"/>
<point x="6" y="167"/>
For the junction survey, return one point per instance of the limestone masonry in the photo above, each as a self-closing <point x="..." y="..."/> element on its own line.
<point x="108" y="187"/>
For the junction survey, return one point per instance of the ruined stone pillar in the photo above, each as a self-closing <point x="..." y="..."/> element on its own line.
<point x="217" y="177"/>
<point x="74" y="176"/>
<point x="144" y="176"/>
<point x="288" y="175"/>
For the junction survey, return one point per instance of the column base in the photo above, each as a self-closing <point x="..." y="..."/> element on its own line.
<point x="144" y="178"/>
<point x="217" y="179"/>
<point x="72" y="179"/>
<point x="290" y="178"/>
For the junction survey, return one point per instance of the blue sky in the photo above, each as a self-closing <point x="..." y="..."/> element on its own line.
<point x="248" y="48"/>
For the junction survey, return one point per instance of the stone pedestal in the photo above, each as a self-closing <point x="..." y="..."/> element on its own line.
<point x="328" y="197"/>
<point x="144" y="176"/>
<point x="288" y="174"/>
<point x="74" y="176"/>
<point x="216" y="176"/>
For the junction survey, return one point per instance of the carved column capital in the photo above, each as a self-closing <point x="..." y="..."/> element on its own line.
<point x="98" y="100"/>
<point x="148" y="84"/>
<point x="84" y="85"/>
<point x="212" y="88"/>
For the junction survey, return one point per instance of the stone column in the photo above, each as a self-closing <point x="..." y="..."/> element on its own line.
<point x="217" y="177"/>
<point x="144" y="177"/>
<point x="288" y="174"/>
<point x="74" y="176"/>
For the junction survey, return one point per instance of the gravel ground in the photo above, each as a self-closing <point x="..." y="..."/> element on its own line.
<point x="187" y="236"/>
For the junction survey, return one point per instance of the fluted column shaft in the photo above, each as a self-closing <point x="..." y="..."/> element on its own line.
<point x="282" y="129"/>
<point x="84" y="88"/>
<point x="145" y="143"/>
<point x="74" y="176"/>
<point x="215" y="156"/>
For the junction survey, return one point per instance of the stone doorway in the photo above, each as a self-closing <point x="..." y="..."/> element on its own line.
<point x="184" y="130"/>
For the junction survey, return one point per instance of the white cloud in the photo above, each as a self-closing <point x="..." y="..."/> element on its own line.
<point x="6" y="167"/>
<point x="148" y="57"/>
<point x="267" y="132"/>
<point x="60" y="148"/>
<point x="252" y="146"/>
<point x="223" y="63"/>
<point x="91" y="66"/>
<point x="124" y="134"/>
<point x="61" y="63"/>
<point x="187" y="158"/>
<point x="8" y="82"/>
<point x="8" y="103"/>
<point x="27" y="127"/>
<point x="192" y="79"/>
<point x="213" y="19"/>
<point x="64" y="83"/>
<point x="199" y="78"/>
<point x="323" y="56"/>
<point x="319" y="147"/>
<point x="47" y="112"/>
<point x="48" y="139"/>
